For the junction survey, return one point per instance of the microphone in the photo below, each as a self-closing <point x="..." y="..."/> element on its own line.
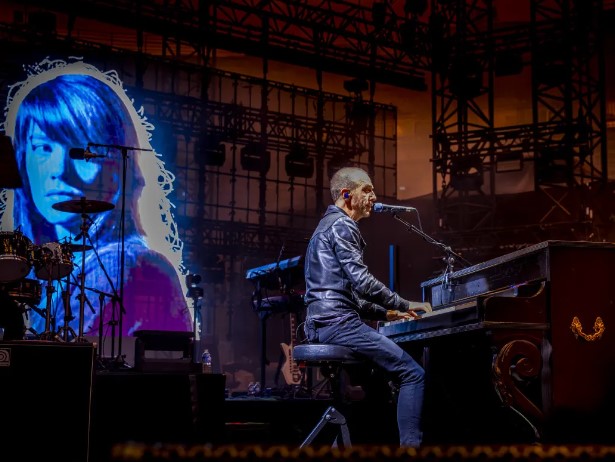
<point x="378" y="207"/>
<point x="83" y="154"/>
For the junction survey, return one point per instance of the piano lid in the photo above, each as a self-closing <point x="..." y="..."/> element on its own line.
<point x="265" y="270"/>
<point x="532" y="249"/>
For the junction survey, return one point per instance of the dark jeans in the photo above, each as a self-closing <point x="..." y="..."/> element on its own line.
<point x="382" y="351"/>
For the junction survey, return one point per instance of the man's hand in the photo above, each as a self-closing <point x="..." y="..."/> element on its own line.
<point x="420" y="306"/>
<point x="394" y="315"/>
<point x="411" y="313"/>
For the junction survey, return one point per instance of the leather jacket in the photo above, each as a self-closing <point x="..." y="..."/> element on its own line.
<point x="338" y="283"/>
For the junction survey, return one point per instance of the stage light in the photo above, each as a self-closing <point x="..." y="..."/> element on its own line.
<point x="356" y="86"/>
<point x="214" y="155"/>
<point x="298" y="163"/>
<point x="555" y="165"/>
<point x="467" y="173"/>
<point x="194" y="291"/>
<point x="212" y="150"/>
<point x="193" y="280"/>
<point x="255" y="158"/>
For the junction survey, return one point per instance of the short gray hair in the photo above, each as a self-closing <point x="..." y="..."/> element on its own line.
<point x="345" y="178"/>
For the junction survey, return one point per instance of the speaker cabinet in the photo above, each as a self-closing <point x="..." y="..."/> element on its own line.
<point x="155" y="407"/>
<point x="45" y="398"/>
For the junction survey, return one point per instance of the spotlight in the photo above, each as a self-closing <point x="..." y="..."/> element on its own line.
<point x="255" y="158"/>
<point x="193" y="280"/>
<point x="195" y="293"/>
<point x="298" y="162"/>
<point x="356" y="86"/>
<point x="214" y="155"/>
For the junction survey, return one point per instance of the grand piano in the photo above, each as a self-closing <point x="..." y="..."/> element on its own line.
<point x="519" y="348"/>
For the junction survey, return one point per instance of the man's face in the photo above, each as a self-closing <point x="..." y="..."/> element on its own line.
<point x="363" y="197"/>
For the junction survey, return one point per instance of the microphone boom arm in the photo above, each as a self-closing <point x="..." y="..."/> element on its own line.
<point x="447" y="249"/>
<point x="117" y="146"/>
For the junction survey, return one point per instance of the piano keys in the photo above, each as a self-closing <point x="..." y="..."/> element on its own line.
<point x="490" y="310"/>
<point x="530" y="330"/>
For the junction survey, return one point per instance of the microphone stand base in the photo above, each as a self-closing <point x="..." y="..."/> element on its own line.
<point x="112" y="364"/>
<point x="48" y="336"/>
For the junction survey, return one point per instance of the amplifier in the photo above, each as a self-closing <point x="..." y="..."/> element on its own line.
<point x="45" y="399"/>
<point x="164" y="351"/>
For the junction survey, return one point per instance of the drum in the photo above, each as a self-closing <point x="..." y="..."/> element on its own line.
<point x="28" y="291"/>
<point x="53" y="261"/>
<point x="15" y="256"/>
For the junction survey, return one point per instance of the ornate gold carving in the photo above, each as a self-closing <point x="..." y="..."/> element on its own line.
<point x="577" y="329"/>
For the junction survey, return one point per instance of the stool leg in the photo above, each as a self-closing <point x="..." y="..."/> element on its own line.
<point x="331" y="379"/>
<point x="335" y="417"/>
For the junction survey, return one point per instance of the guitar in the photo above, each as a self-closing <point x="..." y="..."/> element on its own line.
<point x="290" y="368"/>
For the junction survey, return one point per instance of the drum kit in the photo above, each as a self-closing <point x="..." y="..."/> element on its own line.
<point x="52" y="261"/>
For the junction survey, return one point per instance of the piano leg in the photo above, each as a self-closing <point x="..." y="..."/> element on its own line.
<point x="516" y="365"/>
<point x="483" y="388"/>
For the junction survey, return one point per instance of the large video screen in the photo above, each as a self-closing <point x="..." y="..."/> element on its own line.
<point x="89" y="242"/>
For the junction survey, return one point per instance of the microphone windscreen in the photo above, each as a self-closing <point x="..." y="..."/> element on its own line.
<point x="76" y="153"/>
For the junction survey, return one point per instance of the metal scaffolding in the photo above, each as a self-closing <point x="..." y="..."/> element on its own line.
<point x="456" y="43"/>
<point x="564" y="146"/>
<point x="252" y="155"/>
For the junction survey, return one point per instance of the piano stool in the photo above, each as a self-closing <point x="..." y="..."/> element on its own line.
<point x="331" y="360"/>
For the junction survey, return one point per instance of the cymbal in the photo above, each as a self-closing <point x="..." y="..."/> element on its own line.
<point x="75" y="248"/>
<point x="83" y="205"/>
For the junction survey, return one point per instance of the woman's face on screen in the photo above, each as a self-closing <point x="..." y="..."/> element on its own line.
<point x="55" y="177"/>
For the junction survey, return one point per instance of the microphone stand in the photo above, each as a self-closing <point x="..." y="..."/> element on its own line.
<point x="101" y="299"/>
<point x="197" y="321"/>
<point x="450" y="257"/>
<point x="66" y="331"/>
<point x="114" y="297"/>
<point x="124" y="150"/>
